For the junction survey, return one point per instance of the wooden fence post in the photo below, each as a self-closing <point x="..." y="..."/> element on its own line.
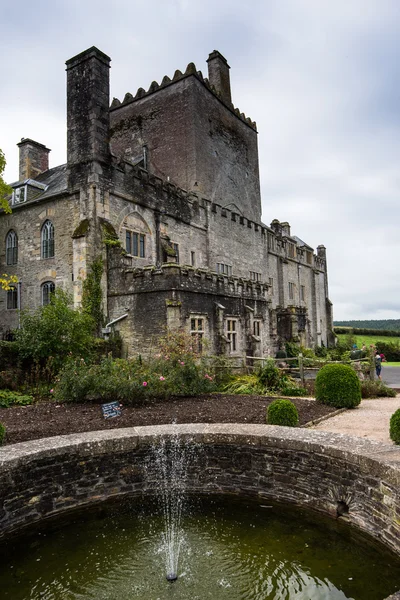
<point x="301" y="369"/>
<point x="372" y="364"/>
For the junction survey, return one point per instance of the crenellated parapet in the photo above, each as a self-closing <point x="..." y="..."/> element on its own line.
<point x="171" y="276"/>
<point x="178" y="76"/>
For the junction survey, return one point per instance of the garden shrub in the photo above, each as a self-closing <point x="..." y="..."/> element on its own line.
<point x="8" y="354"/>
<point x="55" y="330"/>
<point x="293" y="390"/>
<point x="135" y="380"/>
<point x="391" y="350"/>
<point x="394" y="429"/>
<point x="113" y="346"/>
<point x="376" y="389"/>
<point x="321" y="351"/>
<point x="12" y="378"/>
<point x="244" y="384"/>
<point x="221" y="369"/>
<point x="2" y="433"/>
<point x="338" y="386"/>
<point x="282" y="412"/>
<point x="269" y="375"/>
<point x="292" y="349"/>
<point x="9" y="398"/>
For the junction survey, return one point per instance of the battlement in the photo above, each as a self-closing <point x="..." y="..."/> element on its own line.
<point x="183" y="204"/>
<point x="191" y="70"/>
<point x="171" y="276"/>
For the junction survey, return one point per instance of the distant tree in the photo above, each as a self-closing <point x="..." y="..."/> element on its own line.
<point x="377" y="324"/>
<point x="5" y="190"/>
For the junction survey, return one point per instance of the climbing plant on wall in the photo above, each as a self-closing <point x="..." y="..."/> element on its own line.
<point x="92" y="295"/>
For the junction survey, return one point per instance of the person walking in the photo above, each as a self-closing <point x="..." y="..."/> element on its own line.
<point x="378" y="365"/>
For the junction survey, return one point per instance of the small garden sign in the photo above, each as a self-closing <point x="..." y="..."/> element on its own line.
<point x="111" y="409"/>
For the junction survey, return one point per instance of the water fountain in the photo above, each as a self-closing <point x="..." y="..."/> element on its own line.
<point x="238" y="541"/>
<point x="168" y="465"/>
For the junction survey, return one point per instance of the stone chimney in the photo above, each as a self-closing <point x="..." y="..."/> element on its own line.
<point x="33" y="159"/>
<point x="276" y="226"/>
<point x="88" y="101"/>
<point x="321" y="252"/>
<point x="218" y="75"/>
<point x="285" y="228"/>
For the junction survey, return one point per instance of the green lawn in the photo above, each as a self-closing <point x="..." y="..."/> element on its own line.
<point x="374" y="339"/>
<point x="371" y="339"/>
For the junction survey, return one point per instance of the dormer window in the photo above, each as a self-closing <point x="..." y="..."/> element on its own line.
<point x="27" y="190"/>
<point x="19" y="195"/>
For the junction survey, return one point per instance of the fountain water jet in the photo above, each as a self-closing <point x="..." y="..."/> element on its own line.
<point x="167" y="470"/>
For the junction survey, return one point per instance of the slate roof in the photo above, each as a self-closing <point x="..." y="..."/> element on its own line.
<point x="56" y="179"/>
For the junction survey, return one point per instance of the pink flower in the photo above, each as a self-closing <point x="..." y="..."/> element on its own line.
<point x="181" y="362"/>
<point x="51" y="391"/>
<point x="162" y="378"/>
<point x="144" y="383"/>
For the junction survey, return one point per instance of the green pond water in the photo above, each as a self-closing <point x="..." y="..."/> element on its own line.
<point x="232" y="549"/>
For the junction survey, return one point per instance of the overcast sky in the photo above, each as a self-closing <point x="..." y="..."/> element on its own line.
<point x="320" y="77"/>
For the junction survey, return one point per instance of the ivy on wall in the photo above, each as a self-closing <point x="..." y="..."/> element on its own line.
<point x="92" y="295"/>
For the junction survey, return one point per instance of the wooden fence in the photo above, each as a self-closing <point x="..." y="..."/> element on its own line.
<point x="302" y="367"/>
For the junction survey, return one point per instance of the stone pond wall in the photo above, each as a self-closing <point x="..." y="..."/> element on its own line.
<point x="329" y="473"/>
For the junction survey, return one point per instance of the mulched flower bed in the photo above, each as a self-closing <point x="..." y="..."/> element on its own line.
<point x="47" y="419"/>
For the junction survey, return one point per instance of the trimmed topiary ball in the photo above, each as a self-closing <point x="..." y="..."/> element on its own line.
<point x="338" y="386"/>
<point x="282" y="412"/>
<point x="2" y="433"/>
<point x="395" y="427"/>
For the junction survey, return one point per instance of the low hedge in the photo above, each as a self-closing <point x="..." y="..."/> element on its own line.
<point x="282" y="412"/>
<point x="395" y="427"/>
<point x="376" y="389"/>
<point x="338" y="386"/>
<point x="342" y="330"/>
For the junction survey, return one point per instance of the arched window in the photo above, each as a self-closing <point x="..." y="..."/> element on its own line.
<point x="47" y="240"/>
<point x="11" y="248"/>
<point x="12" y="298"/>
<point x="47" y="289"/>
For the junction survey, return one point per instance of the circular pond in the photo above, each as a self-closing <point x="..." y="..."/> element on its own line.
<point x="231" y="548"/>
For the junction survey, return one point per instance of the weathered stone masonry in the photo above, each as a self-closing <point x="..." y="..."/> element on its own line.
<point x="173" y="172"/>
<point x="317" y="470"/>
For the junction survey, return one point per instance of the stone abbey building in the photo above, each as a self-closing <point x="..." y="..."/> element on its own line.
<point x="171" y="172"/>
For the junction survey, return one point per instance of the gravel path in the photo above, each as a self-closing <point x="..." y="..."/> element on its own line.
<point x="369" y="420"/>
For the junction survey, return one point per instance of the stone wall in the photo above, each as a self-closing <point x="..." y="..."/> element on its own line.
<point x="193" y="139"/>
<point x="32" y="270"/>
<point x="149" y="296"/>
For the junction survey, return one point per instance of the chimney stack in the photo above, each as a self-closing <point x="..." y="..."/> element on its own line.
<point x="33" y="159"/>
<point x="218" y="75"/>
<point x="88" y="101"/>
